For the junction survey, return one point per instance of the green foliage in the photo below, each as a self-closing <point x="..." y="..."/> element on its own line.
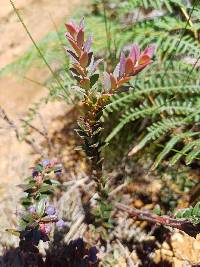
<point x="35" y="222"/>
<point x="192" y="214"/>
<point x="165" y="98"/>
<point x="41" y="184"/>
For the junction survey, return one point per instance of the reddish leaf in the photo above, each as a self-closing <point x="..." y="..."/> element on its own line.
<point x="123" y="80"/>
<point x="71" y="28"/>
<point x="128" y="66"/>
<point x="113" y="82"/>
<point x="80" y="38"/>
<point x="68" y="36"/>
<point x="79" y="69"/>
<point x="144" y="60"/>
<point x="74" y="45"/>
<point x="74" y="71"/>
<point x="139" y="68"/>
<point x="84" y="59"/>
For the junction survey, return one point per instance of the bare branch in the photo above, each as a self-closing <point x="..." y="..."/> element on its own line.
<point x="34" y="128"/>
<point x="12" y="125"/>
<point x="9" y="122"/>
<point x="181" y="224"/>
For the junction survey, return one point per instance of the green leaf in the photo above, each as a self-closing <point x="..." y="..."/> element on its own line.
<point x="93" y="79"/>
<point x="45" y="188"/>
<point x="168" y="147"/>
<point x="39" y="168"/>
<point x="40" y="207"/>
<point x="42" y="196"/>
<point x="196" y="209"/>
<point x="28" y="188"/>
<point x="26" y="201"/>
<point x="13" y="232"/>
<point x="157" y="210"/>
<point x="52" y="182"/>
<point x="187" y="213"/>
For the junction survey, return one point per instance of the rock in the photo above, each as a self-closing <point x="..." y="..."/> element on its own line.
<point x="182" y="251"/>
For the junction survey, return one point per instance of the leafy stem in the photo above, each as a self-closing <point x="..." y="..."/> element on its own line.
<point x="96" y="95"/>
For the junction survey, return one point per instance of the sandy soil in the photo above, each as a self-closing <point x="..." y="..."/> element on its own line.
<point x="37" y="16"/>
<point x="17" y="95"/>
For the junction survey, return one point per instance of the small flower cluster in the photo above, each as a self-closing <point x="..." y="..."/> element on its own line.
<point x="42" y="182"/>
<point x="49" y="216"/>
<point x="39" y="216"/>
<point x="37" y="223"/>
<point x="44" y="169"/>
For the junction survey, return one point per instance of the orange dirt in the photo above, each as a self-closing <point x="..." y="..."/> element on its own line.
<point x="17" y="95"/>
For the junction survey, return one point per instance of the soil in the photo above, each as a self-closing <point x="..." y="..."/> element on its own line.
<point x="17" y="94"/>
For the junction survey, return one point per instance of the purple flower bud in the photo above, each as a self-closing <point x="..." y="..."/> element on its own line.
<point x="58" y="173"/>
<point x="45" y="162"/>
<point x="79" y="245"/>
<point x="35" y="173"/>
<point x="50" y="210"/>
<point x="93" y="254"/>
<point x="60" y="223"/>
<point x="48" y="228"/>
<point x="32" y="209"/>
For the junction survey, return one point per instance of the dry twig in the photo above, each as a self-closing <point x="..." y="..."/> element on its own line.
<point x="142" y="215"/>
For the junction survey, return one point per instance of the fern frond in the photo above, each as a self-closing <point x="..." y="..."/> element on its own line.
<point x="194" y="153"/>
<point x="168" y="92"/>
<point x="146" y="4"/>
<point x="147" y="110"/>
<point x="157" y="130"/>
<point x="183" y="152"/>
<point x="122" y="100"/>
<point x="169" y="146"/>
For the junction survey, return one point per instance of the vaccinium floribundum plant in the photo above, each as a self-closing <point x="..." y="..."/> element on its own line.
<point x="38" y="216"/>
<point x="96" y="95"/>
